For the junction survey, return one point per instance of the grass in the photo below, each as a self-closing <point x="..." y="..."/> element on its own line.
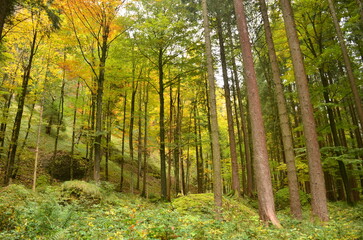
<point x="49" y="214"/>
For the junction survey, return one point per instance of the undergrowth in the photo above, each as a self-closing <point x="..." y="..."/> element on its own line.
<point x="79" y="210"/>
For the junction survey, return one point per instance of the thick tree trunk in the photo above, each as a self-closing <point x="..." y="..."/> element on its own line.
<point x="348" y="66"/>
<point x="227" y="95"/>
<point x="317" y="183"/>
<point x="217" y="179"/>
<point x="19" y="114"/>
<point x="261" y="165"/>
<point x="287" y="141"/>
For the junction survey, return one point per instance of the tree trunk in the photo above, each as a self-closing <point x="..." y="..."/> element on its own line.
<point x="227" y="95"/>
<point x="317" y="183"/>
<point x="288" y="145"/>
<point x="131" y="129"/>
<point x="139" y="141"/>
<point x="163" y="180"/>
<point x="60" y="109"/>
<point x="177" y="143"/>
<point x="37" y="147"/>
<point x="122" y="160"/>
<point x="145" y="165"/>
<point x="19" y="114"/>
<point x="348" y="66"/>
<point x="74" y="131"/>
<point x="261" y="165"/>
<point x="217" y="179"/>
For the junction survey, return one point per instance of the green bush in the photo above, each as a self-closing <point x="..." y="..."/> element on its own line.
<point x="11" y="197"/>
<point x="282" y="198"/>
<point x="81" y="192"/>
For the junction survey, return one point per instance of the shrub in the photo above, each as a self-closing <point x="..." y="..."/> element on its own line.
<point x="81" y="192"/>
<point x="11" y="197"/>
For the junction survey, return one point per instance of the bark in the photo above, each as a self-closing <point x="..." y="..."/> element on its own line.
<point x="19" y="114"/>
<point x="177" y="143"/>
<point x="348" y="66"/>
<point x="60" y="110"/>
<point x="217" y="179"/>
<point x="227" y="95"/>
<point x="287" y="140"/>
<point x="261" y="165"/>
<point x="131" y="129"/>
<point x="163" y="181"/>
<point x="74" y="130"/>
<point x="199" y="166"/>
<point x="108" y="138"/>
<point x="122" y="160"/>
<point x="37" y="147"/>
<point x="7" y="7"/>
<point x="145" y="165"/>
<point x="317" y="183"/>
<point x="139" y="141"/>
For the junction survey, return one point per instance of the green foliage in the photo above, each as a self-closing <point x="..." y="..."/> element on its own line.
<point x="282" y="198"/>
<point x="81" y="192"/>
<point x="44" y="216"/>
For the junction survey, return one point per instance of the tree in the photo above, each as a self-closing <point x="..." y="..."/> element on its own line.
<point x="317" y="183"/>
<point x="287" y="141"/>
<point x="216" y="155"/>
<point x="260" y="156"/>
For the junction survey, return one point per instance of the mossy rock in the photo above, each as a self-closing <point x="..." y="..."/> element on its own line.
<point x="81" y="192"/>
<point x="195" y="203"/>
<point x="59" y="167"/>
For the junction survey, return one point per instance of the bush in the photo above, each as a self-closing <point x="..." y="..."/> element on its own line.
<point x="11" y="197"/>
<point x="282" y="198"/>
<point x="81" y="192"/>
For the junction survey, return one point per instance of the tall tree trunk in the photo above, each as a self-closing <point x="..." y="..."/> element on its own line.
<point x="60" y="109"/>
<point x="197" y="158"/>
<point x="244" y="123"/>
<point x="108" y="138"/>
<point x="37" y="146"/>
<point x="163" y="180"/>
<point x="227" y="95"/>
<point x="317" y="183"/>
<point x="139" y="141"/>
<point x="177" y="143"/>
<point x="145" y="147"/>
<point x="131" y="129"/>
<point x="217" y="179"/>
<point x="261" y="165"/>
<point x="74" y="131"/>
<point x="287" y="141"/>
<point x="19" y="114"/>
<point x="348" y="66"/>
<point x="122" y="160"/>
<point x="170" y="150"/>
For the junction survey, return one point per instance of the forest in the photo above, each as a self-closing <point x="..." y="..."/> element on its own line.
<point x="181" y="119"/>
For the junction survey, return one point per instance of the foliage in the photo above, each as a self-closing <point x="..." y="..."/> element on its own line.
<point x="44" y="216"/>
<point x="282" y="199"/>
<point x="81" y="192"/>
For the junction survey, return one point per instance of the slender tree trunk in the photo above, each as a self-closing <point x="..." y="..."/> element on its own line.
<point x="19" y="114"/>
<point x="108" y="138"/>
<point x="37" y="146"/>
<point x="317" y="183"/>
<point x="217" y="179"/>
<point x="145" y="147"/>
<point x="131" y="130"/>
<point x="197" y="159"/>
<point x="261" y="165"/>
<point x="288" y="145"/>
<point x="60" y="109"/>
<point x="177" y="143"/>
<point x="170" y="150"/>
<point x="227" y="95"/>
<point x="139" y="141"/>
<point x="122" y="161"/>
<point x="74" y="130"/>
<point x="348" y="66"/>
<point x="163" y="180"/>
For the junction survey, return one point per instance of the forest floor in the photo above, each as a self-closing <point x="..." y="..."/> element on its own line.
<point x="80" y="210"/>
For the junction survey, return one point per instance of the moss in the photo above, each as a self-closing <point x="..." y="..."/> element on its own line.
<point x="81" y="192"/>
